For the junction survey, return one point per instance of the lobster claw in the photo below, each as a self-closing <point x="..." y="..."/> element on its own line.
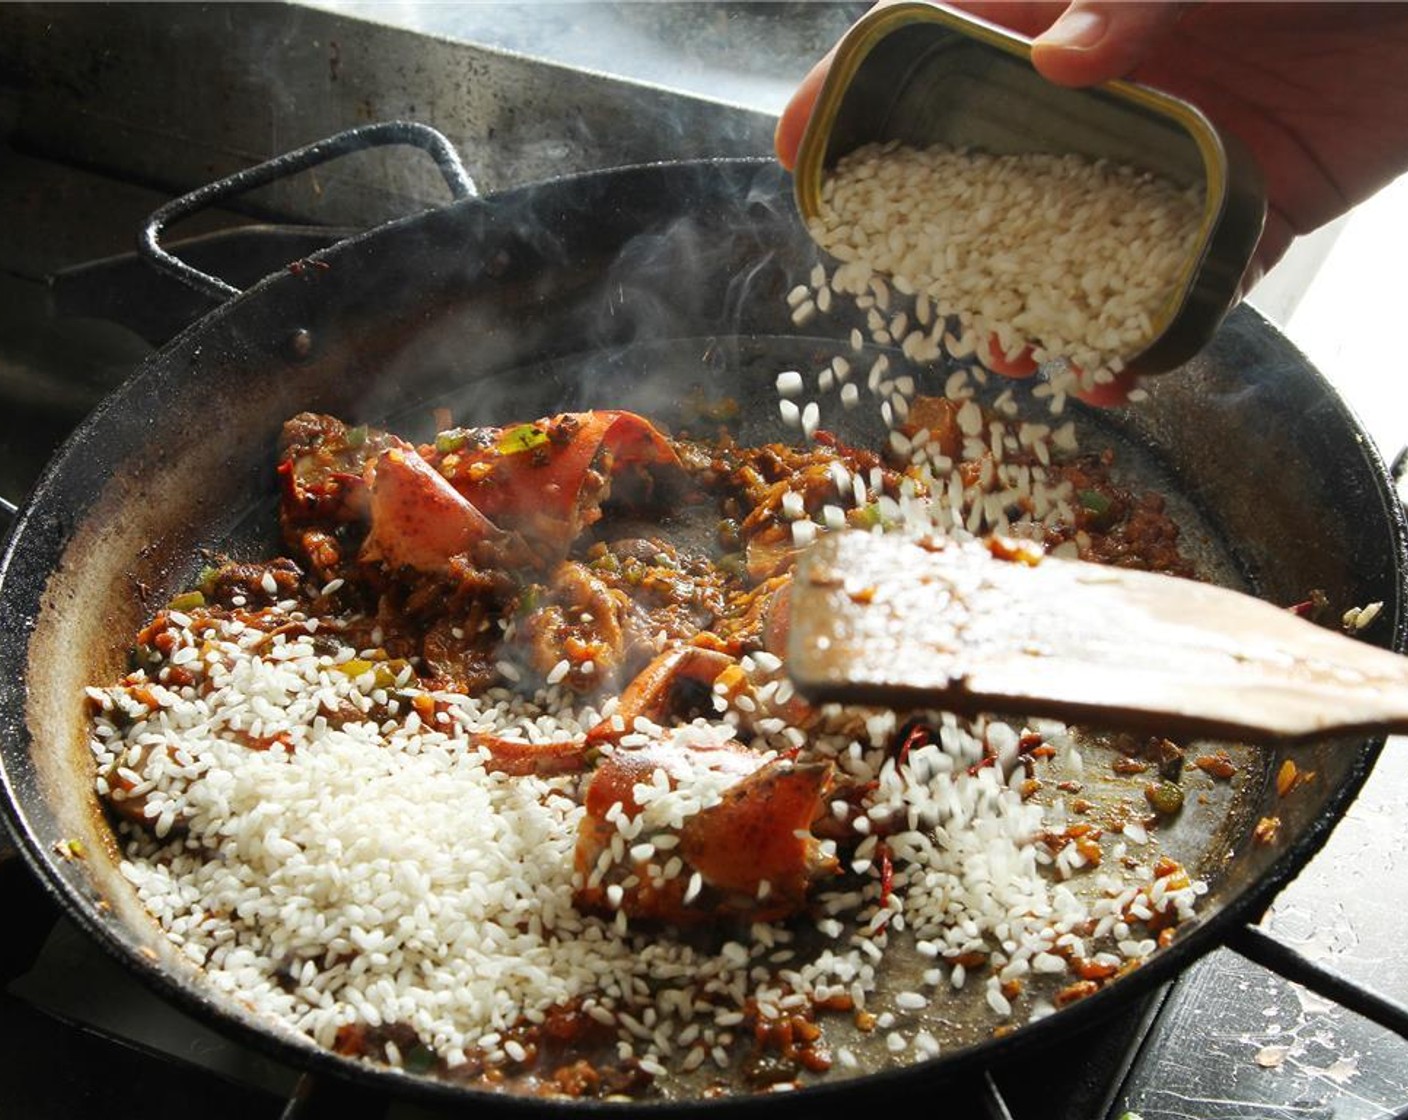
<point x="749" y="855"/>
<point x="653" y="691"/>
<point x="755" y="846"/>
<point x="418" y="520"/>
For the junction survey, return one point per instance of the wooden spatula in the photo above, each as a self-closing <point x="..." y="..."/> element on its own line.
<point x="886" y="620"/>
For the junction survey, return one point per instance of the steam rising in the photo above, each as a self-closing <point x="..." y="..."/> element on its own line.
<point x="620" y="290"/>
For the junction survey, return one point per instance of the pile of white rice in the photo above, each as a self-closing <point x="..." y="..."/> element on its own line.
<point x="1072" y="256"/>
<point x="376" y="872"/>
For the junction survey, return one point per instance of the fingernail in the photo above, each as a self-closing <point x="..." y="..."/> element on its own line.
<point x="1080" y="29"/>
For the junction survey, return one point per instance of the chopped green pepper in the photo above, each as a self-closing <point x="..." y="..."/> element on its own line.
<point x="867" y="517"/>
<point x="524" y="437"/>
<point x="384" y="673"/>
<point x="1094" y="501"/>
<point x="1165" y="797"/>
<point x="73" y="849"/>
<point x="188" y="601"/>
<point x="1098" y="508"/>
<point x="419" y="1060"/>
<point x="446" y="442"/>
<point x="530" y="599"/>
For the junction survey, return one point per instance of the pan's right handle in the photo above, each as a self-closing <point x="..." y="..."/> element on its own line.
<point x="1259" y="947"/>
<point x="354" y="140"/>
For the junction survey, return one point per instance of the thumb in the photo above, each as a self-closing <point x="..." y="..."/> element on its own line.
<point x="1095" y="40"/>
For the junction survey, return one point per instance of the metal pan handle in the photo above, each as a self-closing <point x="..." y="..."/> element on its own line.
<point x="290" y="163"/>
<point x="1261" y="948"/>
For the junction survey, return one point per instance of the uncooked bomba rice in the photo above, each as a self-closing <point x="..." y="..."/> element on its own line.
<point x="1073" y="257"/>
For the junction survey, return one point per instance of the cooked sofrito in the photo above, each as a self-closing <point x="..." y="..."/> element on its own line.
<point x="498" y="773"/>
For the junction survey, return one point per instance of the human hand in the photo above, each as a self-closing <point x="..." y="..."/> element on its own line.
<point x="1317" y="91"/>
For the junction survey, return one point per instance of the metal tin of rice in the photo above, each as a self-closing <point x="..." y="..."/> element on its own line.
<point x="936" y="80"/>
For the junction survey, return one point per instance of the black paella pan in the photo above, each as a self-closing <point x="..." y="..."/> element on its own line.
<point x="634" y="288"/>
